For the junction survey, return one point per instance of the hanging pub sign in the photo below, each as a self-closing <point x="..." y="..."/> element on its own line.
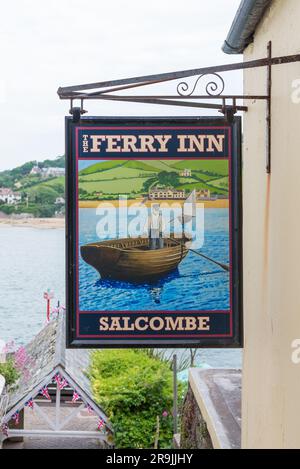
<point x="154" y="232"/>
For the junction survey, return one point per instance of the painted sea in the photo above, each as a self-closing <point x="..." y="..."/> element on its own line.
<point x="33" y="260"/>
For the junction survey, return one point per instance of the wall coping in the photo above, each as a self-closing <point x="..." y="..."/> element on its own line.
<point x="218" y="395"/>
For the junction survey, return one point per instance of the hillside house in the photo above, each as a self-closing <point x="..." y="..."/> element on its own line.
<point x="47" y="172"/>
<point x="53" y="172"/>
<point x="60" y="201"/>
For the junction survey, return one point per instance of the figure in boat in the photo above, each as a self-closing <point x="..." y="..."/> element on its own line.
<point x="156" y="228"/>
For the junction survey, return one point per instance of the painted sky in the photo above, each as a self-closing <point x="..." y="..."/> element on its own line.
<point x="86" y="164"/>
<point x="65" y="42"/>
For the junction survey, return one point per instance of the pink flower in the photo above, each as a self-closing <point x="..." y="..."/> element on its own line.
<point x="165" y="413"/>
<point x="24" y="363"/>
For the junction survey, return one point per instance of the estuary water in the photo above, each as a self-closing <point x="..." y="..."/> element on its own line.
<point x="33" y="260"/>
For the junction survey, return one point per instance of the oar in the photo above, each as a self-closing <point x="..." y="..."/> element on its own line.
<point x="223" y="266"/>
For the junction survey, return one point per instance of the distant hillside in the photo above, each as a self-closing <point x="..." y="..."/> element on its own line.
<point x="10" y="177"/>
<point x="39" y="192"/>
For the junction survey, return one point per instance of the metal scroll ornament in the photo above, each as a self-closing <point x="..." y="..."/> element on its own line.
<point x="214" y="87"/>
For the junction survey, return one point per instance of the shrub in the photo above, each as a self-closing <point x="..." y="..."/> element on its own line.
<point x="9" y="372"/>
<point x="134" y="389"/>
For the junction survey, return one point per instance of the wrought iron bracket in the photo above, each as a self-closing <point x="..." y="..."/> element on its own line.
<point x="76" y="112"/>
<point x="214" y="98"/>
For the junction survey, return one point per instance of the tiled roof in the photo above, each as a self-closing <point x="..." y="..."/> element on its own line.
<point x="5" y="191"/>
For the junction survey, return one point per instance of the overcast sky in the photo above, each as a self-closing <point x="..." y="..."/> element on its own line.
<point x="45" y="45"/>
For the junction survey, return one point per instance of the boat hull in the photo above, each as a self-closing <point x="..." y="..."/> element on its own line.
<point x="131" y="259"/>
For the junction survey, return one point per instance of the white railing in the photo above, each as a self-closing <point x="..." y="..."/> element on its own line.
<point x="3" y="406"/>
<point x="3" y="399"/>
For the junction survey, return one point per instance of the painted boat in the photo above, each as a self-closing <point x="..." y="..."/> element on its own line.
<point x="131" y="259"/>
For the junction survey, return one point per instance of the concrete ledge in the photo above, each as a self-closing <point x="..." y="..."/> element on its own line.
<point x="218" y="396"/>
<point x="176" y="441"/>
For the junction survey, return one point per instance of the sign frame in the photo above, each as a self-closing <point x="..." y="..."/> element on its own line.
<point x="236" y="338"/>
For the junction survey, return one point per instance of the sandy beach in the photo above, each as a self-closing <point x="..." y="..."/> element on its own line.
<point x="219" y="203"/>
<point x="39" y="223"/>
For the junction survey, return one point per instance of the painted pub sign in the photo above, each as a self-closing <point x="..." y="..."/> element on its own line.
<point x="154" y="238"/>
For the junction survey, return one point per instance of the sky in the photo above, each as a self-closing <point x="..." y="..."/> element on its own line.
<point x="44" y="45"/>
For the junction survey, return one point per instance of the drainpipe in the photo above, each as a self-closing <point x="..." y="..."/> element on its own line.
<point x="249" y="14"/>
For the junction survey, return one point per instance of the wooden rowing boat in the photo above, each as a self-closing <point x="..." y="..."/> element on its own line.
<point x="131" y="258"/>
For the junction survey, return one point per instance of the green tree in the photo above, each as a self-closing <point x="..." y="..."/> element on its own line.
<point x="148" y="183"/>
<point x="43" y="195"/>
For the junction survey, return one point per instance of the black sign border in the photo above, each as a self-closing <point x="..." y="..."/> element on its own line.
<point x="236" y="216"/>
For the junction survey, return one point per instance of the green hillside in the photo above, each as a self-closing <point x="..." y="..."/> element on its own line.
<point x="221" y="183"/>
<point x="119" y="186"/>
<point x="189" y="187"/>
<point x="151" y="166"/>
<point x="211" y="167"/>
<point x="103" y="166"/>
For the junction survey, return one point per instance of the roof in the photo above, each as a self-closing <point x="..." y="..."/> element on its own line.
<point x="247" y="18"/>
<point x="5" y="191"/>
<point x="165" y="189"/>
<point x="47" y="354"/>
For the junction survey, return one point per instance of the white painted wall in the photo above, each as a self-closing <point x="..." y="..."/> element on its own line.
<point x="271" y="381"/>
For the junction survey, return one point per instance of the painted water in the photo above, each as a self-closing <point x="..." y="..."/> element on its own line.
<point x="197" y="284"/>
<point x="33" y="260"/>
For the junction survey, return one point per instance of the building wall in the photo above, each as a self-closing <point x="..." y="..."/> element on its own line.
<point x="271" y="382"/>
